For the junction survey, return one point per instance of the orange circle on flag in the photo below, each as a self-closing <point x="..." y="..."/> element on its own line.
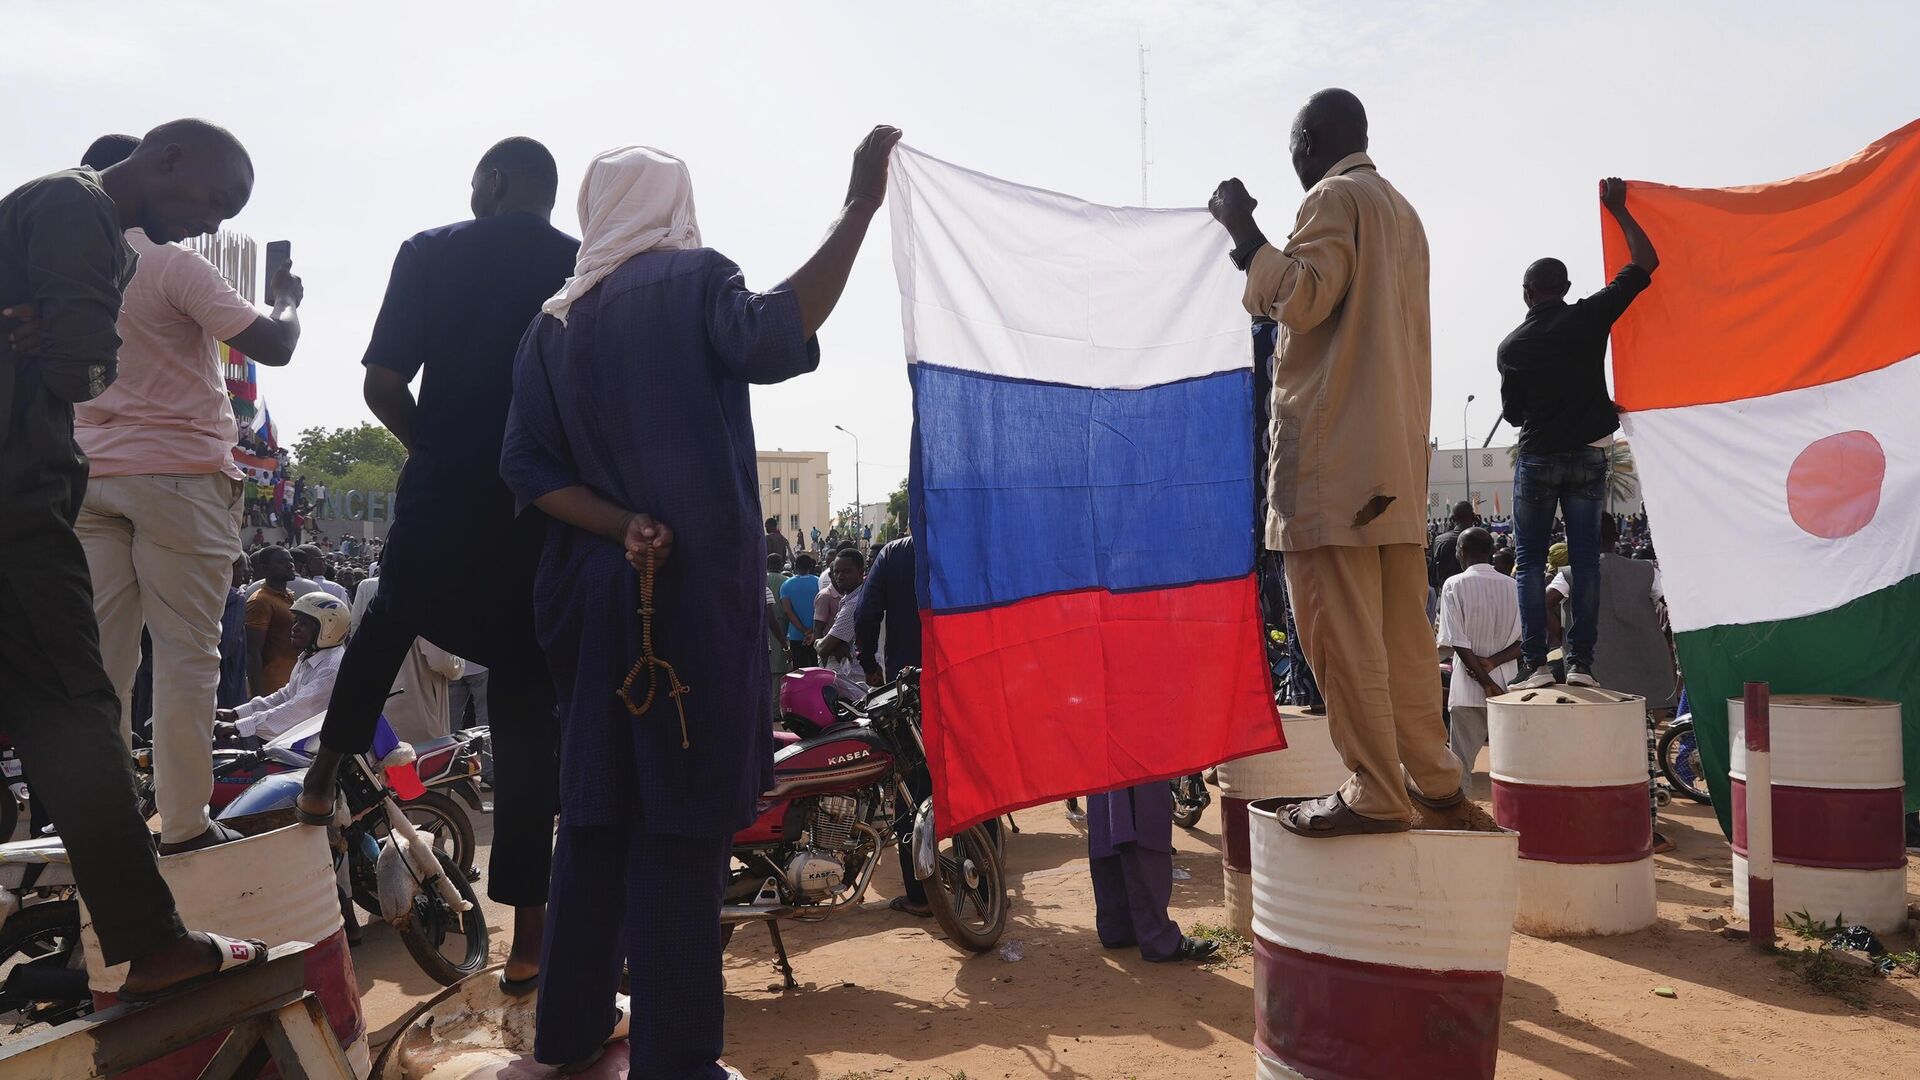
<point x="1833" y="488"/>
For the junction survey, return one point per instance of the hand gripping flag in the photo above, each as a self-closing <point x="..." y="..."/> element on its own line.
<point x="1082" y="491"/>
<point x="1772" y="379"/>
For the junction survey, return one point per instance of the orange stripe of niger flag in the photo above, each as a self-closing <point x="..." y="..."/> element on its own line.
<point x="1775" y="286"/>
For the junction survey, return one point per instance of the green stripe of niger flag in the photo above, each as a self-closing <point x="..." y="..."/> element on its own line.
<point x="1870" y="645"/>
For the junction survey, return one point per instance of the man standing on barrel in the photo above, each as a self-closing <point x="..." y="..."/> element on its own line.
<point x="1348" y="464"/>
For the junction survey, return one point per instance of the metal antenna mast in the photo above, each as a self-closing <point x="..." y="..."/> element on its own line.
<point x="1144" y="159"/>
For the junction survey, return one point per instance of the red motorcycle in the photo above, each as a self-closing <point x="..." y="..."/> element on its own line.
<point x="845" y="784"/>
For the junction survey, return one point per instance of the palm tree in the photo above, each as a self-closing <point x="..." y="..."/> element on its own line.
<point x="1622" y="481"/>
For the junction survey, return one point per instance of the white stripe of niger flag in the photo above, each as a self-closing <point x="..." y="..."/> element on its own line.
<point x="1789" y="504"/>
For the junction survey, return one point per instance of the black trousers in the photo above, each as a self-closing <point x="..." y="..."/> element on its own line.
<point x="61" y="711"/>
<point x="526" y="741"/>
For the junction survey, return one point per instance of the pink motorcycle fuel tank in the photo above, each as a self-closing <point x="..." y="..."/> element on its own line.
<point x="846" y="757"/>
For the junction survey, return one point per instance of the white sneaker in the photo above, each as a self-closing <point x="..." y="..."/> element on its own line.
<point x="1532" y="678"/>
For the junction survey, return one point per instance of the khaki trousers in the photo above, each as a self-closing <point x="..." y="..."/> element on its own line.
<point x="161" y="550"/>
<point x="1361" y="614"/>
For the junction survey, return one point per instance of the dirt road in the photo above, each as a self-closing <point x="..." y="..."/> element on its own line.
<point x="884" y="998"/>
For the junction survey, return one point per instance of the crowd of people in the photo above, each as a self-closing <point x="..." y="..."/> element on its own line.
<point x="533" y="465"/>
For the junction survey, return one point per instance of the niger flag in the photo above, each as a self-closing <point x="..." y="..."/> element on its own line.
<point x="1771" y="377"/>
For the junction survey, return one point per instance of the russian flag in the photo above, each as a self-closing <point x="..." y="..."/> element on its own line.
<point x="1082" y="491"/>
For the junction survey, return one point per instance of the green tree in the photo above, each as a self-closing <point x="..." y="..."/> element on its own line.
<point x="330" y="454"/>
<point x="895" y="523"/>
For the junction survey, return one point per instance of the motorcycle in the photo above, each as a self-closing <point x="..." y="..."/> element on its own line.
<point x="844" y="789"/>
<point x="418" y="878"/>
<point x="42" y="976"/>
<point x="1679" y="755"/>
<point x="447" y="766"/>
<point x="1190" y="799"/>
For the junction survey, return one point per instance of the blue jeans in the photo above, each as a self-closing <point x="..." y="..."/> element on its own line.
<point x="1574" y="482"/>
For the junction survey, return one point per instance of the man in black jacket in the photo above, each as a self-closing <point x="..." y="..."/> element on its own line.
<point x="1443" y="561"/>
<point x="1553" y="388"/>
<point x="64" y="266"/>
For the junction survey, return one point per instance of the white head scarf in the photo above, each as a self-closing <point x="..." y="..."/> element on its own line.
<point x="634" y="199"/>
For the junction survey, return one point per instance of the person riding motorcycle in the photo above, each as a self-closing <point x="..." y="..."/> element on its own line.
<point x="320" y="624"/>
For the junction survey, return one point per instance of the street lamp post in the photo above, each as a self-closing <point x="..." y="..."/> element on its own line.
<point x="1466" y="449"/>
<point x="859" y="510"/>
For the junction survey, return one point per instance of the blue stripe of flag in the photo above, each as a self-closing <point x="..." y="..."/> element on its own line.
<point x="1023" y="489"/>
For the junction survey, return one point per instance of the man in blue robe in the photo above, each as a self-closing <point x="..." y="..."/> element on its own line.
<point x="631" y="429"/>
<point x="1130" y="855"/>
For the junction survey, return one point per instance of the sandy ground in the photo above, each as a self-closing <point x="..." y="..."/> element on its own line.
<point x="884" y="997"/>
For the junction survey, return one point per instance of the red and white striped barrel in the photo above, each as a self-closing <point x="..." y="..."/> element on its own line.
<point x="1569" y="768"/>
<point x="1839" y="845"/>
<point x="278" y="887"/>
<point x="1308" y="766"/>
<point x="1379" y="956"/>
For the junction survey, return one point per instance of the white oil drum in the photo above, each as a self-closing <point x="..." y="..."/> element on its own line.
<point x="1569" y="769"/>
<point x="278" y="887"/>
<point x="1379" y="957"/>
<point x="1839" y="841"/>
<point x="1308" y="766"/>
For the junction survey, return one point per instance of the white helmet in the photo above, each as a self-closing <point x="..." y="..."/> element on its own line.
<point x="333" y="616"/>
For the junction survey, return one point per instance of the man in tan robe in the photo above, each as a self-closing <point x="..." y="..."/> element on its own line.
<point x="1348" y="469"/>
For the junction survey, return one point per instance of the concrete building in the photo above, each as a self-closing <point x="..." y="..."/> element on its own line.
<point x="1492" y="478"/>
<point x="1492" y="471"/>
<point x="793" y="488"/>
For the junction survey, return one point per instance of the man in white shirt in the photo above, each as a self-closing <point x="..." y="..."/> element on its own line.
<point x="310" y="564"/>
<point x="320" y="623"/>
<point x="837" y="632"/>
<point x="1480" y="622"/>
<point x="160" y="521"/>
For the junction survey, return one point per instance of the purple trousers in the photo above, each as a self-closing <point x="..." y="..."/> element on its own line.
<point x="1133" y="881"/>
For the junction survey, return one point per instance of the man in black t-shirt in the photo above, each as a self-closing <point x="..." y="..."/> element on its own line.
<point x="1553" y="388"/>
<point x="460" y="298"/>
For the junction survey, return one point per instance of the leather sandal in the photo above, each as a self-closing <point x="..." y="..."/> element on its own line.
<point x="1331" y="816"/>
<point x="1413" y="792"/>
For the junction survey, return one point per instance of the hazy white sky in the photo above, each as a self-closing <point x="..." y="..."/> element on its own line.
<point x="365" y="120"/>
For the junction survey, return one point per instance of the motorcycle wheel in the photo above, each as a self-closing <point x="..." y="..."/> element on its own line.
<point x="1679" y="753"/>
<point x="968" y="891"/>
<point x="1186" y="809"/>
<point x="437" y="813"/>
<point x="431" y="924"/>
<point x="44" y="933"/>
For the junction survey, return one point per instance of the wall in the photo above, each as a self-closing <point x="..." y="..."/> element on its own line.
<point x="1492" y="470"/>
<point x="364" y="514"/>
<point x="800" y="495"/>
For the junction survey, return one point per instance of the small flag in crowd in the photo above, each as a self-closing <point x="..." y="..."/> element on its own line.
<point x="1082" y="491"/>
<point x="1772" y="377"/>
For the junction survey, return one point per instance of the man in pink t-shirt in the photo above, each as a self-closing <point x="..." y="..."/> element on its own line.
<point x="161" y="518"/>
